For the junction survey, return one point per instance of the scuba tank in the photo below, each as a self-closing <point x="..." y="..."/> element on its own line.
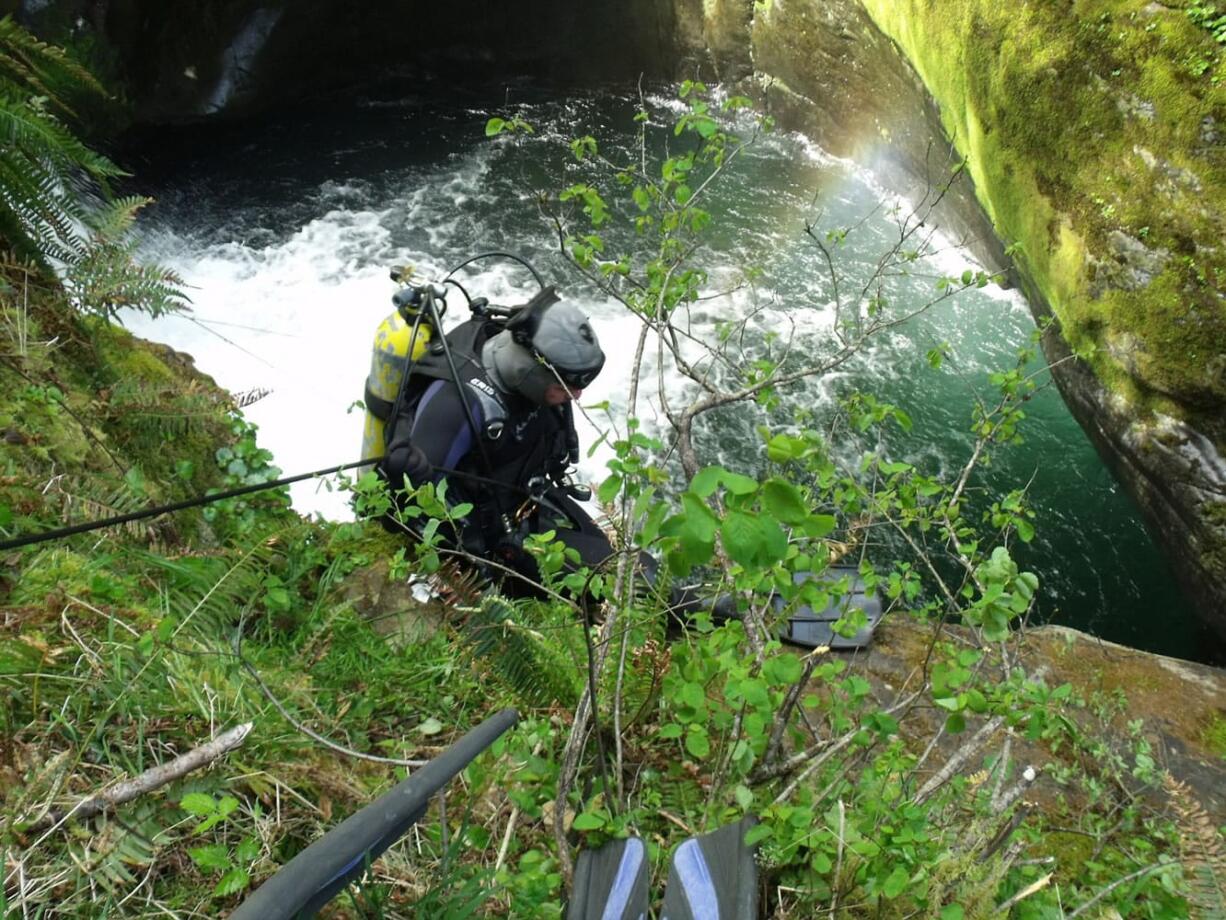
<point x="401" y="339"/>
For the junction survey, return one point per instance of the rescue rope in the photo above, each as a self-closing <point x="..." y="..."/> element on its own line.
<point x="62" y="532"/>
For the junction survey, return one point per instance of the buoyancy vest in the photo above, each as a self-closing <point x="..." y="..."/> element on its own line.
<point x="465" y="342"/>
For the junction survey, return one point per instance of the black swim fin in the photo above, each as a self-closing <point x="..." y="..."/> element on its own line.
<point x="713" y="876"/>
<point x="812" y="629"/>
<point x="611" y="883"/>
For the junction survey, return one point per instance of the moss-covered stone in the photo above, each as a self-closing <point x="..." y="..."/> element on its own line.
<point x="1091" y="129"/>
<point x="1082" y="123"/>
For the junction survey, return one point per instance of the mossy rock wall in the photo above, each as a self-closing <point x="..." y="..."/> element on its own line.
<point x="1094" y="132"/>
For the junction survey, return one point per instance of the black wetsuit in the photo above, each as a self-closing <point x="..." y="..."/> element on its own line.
<point x="525" y="446"/>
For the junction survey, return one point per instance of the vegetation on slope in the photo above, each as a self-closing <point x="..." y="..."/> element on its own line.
<point x="119" y="650"/>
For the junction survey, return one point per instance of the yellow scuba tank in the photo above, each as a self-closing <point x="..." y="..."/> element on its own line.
<point x="396" y="347"/>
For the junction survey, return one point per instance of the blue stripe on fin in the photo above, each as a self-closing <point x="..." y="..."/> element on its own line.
<point x="623" y="883"/>
<point x="695" y="878"/>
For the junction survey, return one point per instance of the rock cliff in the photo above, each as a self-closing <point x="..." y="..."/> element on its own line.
<point x="1095" y="146"/>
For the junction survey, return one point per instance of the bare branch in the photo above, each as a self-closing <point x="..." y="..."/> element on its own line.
<point x="151" y="779"/>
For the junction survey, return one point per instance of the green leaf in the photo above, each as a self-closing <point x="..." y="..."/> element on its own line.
<point x="744" y="537"/>
<point x="758" y="833"/>
<point x="743" y="795"/>
<point x="589" y="821"/>
<point x="213" y="858"/>
<point x="819" y="525"/>
<point x="956" y="723"/>
<point x="609" y="489"/>
<point x="431" y="726"/>
<point x="785" y="669"/>
<point x="248" y="851"/>
<point x="227" y="805"/>
<point x="197" y="803"/>
<point x="782" y="447"/>
<point x="700" y="521"/>
<point x="706" y="480"/>
<point x="671" y="730"/>
<point x="697" y="742"/>
<point x="495" y="126"/>
<point x="952" y="912"/>
<point x="784" y="501"/>
<point x="235" y="880"/>
<point x="692" y="695"/>
<point x="896" y="883"/>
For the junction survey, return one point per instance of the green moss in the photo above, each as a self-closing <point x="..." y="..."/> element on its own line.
<point x="1082" y="122"/>
<point x="1214" y="735"/>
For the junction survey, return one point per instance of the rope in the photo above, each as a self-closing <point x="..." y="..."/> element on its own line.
<point x="47" y="536"/>
<point x="62" y="532"/>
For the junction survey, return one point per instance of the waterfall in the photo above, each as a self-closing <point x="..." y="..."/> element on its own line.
<point x="237" y="60"/>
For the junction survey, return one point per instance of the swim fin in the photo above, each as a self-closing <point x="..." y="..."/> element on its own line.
<point x="713" y="877"/>
<point x="812" y="629"/>
<point x="611" y="883"/>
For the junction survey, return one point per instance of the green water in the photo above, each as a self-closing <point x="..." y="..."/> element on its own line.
<point x="287" y="228"/>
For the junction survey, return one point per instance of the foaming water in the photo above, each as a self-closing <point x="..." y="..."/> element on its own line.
<point x="286" y="232"/>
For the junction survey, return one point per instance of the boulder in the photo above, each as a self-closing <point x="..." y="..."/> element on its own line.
<point x="1180" y="706"/>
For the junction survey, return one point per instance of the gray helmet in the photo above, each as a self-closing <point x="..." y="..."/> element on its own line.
<point x="546" y="340"/>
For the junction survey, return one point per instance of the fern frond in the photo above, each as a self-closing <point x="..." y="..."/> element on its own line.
<point x="26" y="60"/>
<point x="115" y="218"/>
<point x="537" y="673"/>
<point x="35" y="134"/>
<point x="108" y="279"/>
<point x="210" y="590"/>
<point x="1202" y="852"/>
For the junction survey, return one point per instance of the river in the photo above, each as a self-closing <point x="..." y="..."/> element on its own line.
<point x="285" y="230"/>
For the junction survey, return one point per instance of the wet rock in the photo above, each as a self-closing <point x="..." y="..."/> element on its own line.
<point x="1172" y="179"/>
<point x="1176" y="473"/>
<point x="1210" y="136"/>
<point x="1135" y="107"/>
<point x="1177" y="702"/>
<point x="391" y="605"/>
<point x="1132" y="265"/>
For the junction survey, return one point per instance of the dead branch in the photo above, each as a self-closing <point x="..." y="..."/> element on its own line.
<point x="151" y="779"/>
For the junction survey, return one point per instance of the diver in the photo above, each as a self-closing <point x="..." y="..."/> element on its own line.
<point x="492" y="413"/>
<point x="489" y="408"/>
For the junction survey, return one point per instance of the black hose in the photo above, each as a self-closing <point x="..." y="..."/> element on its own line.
<point x="317" y="874"/>
<point x="468" y="412"/>
<point x="404" y="379"/>
<point x="500" y="255"/>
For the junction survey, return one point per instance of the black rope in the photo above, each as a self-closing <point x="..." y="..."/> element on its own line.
<point x="199" y="501"/>
<point x="500" y="255"/>
<point x="46" y="536"/>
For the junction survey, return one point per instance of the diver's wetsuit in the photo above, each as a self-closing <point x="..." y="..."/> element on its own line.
<point x="432" y="434"/>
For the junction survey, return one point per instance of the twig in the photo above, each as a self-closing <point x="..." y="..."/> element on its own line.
<point x="506" y="839"/>
<point x="151" y="779"/>
<point x="667" y="816"/>
<point x="313" y="735"/>
<point x="838" y="866"/>
<point x="1026" y="892"/>
<point x="959" y="758"/>
<point x="789" y="703"/>
<point x="1110" y="888"/>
